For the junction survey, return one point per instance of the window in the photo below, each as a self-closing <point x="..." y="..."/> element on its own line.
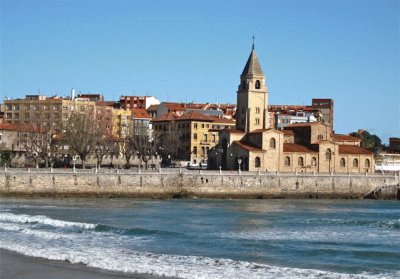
<point x="213" y="137"/>
<point x="328" y="154"/>
<point x="205" y="137"/>
<point x="342" y="162"/>
<point x="195" y="136"/>
<point x="300" y="162"/>
<point x="272" y="143"/>
<point x="313" y="161"/>
<point x="257" y="121"/>
<point x="195" y="150"/>
<point x="203" y="151"/>
<point x="202" y="125"/>
<point x="257" y="162"/>
<point x="367" y="163"/>
<point x="287" y="161"/>
<point x="258" y="84"/>
<point x="195" y="126"/>
<point x="320" y="137"/>
<point x="355" y="163"/>
<point x="257" y="110"/>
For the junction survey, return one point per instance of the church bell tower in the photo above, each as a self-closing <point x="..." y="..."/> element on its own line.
<point x="252" y="97"/>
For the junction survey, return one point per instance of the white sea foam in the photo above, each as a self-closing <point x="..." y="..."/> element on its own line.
<point x="174" y="265"/>
<point x="41" y="219"/>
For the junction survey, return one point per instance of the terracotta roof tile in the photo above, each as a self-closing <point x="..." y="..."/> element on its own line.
<point x="353" y="149"/>
<point x="294" y="147"/>
<point x="140" y="113"/>
<point x="345" y="138"/>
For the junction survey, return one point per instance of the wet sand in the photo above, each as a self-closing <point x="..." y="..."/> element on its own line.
<point x="17" y="266"/>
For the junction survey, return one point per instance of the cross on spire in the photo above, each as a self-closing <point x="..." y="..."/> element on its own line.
<point x="253" y="40"/>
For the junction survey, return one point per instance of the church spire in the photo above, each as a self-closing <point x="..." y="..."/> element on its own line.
<point x="253" y="66"/>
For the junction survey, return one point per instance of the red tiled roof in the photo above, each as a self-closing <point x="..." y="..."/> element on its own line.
<point x="345" y="138"/>
<point x="175" y="106"/>
<point x="193" y="116"/>
<point x="353" y="149"/>
<point x="166" y="117"/>
<point x="294" y="147"/>
<point x="263" y="130"/>
<point x="20" y="128"/>
<point x="140" y="113"/>
<point x="248" y="147"/>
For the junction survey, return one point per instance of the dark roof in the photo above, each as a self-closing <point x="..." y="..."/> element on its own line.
<point x="248" y="147"/>
<point x="294" y="147"/>
<point x="353" y="149"/>
<point x="252" y="67"/>
<point x="233" y="131"/>
<point x="288" y="133"/>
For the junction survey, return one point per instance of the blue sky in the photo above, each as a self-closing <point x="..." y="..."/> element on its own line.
<point x="347" y="50"/>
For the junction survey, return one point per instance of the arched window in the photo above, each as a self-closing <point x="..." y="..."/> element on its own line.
<point x="320" y="137"/>
<point x="287" y="161"/>
<point x="313" y="161"/>
<point x="355" y="163"/>
<point x="367" y="163"/>
<point x="342" y="162"/>
<point x="328" y="154"/>
<point x="300" y="162"/>
<point x="195" y="150"/>
<point x="258" y="84"/>
<point x="257" y="162"/>
<point x="272" y="143"/>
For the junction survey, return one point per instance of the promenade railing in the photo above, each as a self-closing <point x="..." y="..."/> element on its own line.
<point x="158" y="171"/>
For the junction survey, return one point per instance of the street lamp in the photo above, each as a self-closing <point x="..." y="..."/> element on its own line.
<point x="35" y="155"/>
<point x="74" y="160"/>
<point x="329" y="154"/>
<point x="239" y="162"/>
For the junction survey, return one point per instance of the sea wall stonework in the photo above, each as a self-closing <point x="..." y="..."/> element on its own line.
<point x="156" y="185"/>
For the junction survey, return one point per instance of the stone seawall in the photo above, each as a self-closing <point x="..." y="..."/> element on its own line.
<point x="212" y="185"/>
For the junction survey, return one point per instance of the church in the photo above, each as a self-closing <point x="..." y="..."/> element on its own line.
<point x="301" y="147"/>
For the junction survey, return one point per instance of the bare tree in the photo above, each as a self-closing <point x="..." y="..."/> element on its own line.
<point x="169" y="142"/>
<point x="104" y="145"/>
<point x="81" y="133"/>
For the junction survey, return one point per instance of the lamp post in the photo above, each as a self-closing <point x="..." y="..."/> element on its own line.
<point x="329" y="154"/>
<point x="35" y="155"/>
<point x="239" y="162"/>
<point x="74" y="160"/>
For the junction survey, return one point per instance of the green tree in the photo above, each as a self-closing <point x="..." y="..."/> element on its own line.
<point x="368" y="141"/>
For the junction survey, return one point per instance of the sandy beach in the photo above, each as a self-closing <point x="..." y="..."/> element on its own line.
<point x="17" y="266"/>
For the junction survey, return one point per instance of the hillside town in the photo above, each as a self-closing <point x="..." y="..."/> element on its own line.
<point x="85" y="130"/>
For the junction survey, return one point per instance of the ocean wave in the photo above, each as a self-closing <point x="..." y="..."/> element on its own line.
<point x="41" y="219"/>
<point x="35" y="233"/>
<point x="177" y="266"/>
<point x="133" y="231"/>
<point x="355" y="222"/>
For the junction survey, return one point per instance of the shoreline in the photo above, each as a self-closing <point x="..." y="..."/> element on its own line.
<point x="15" y="265"/>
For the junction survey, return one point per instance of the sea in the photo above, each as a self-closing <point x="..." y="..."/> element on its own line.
<point x="210" y="238"/>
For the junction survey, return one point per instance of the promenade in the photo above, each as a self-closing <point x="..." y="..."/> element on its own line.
<point x="182" y="182"/>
